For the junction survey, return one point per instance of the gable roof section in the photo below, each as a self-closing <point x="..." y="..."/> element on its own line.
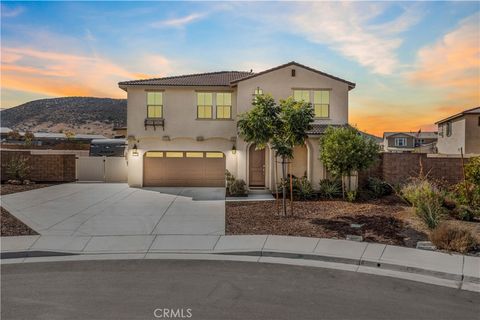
<point x="475" y="110"/>
<point x="221" y="78"/>
<point x="351" y="85"/>
<point x="418" y="135"/>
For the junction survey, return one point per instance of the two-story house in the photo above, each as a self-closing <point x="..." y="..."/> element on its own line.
<point x="460" y="132"/>
<point x="423" y="142"/>
<point x="183" y="130"/>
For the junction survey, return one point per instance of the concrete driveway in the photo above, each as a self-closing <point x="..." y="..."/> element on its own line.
<point x="88" y="209"/>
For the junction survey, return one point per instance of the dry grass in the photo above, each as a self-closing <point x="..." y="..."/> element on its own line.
<point x="453" y="238"/>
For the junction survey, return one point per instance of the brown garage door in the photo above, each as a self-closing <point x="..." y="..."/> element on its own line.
<point x="184" y="169"/>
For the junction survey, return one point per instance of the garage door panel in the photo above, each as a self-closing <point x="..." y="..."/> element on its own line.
<point x="184" y="172"/>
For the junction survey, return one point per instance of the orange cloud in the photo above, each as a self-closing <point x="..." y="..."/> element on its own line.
<point x="61" y="74"/>
<point x="453" y="64"/>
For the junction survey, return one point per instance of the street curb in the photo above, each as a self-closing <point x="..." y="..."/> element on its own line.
<point x="293" y="257"/>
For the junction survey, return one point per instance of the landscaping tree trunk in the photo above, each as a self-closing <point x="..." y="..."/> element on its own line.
<point x="284" y="186"/>
<point x="291" y="188"/>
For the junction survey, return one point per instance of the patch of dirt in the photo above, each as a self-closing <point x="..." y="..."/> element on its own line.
<point x="384" y="220"/>
<point x="13" y="188"/>
<point x="11" y="226"/>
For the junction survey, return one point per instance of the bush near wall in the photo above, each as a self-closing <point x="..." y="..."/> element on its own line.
<point x="398" y="168"/>
<point x="43" y="167"/>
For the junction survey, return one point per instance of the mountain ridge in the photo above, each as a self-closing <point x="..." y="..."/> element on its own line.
<point x="89" y="115"/>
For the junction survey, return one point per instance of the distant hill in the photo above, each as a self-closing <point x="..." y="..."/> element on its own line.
<point x="79" y="114"/>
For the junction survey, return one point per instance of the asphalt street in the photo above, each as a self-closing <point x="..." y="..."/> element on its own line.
<point x="186" y="289"/>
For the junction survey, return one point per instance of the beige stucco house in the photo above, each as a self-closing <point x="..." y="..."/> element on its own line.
<point x="399" y="142"/>
<point x="460" y="132"/>
<point x="183" y="130"/>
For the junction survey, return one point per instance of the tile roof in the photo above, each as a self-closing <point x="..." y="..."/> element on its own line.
<point x="318" y="129"/>
<point x="221" y="78"/>
<point x="420" y="135"/>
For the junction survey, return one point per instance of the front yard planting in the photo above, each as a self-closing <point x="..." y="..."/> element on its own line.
<point x="388" y="220"/>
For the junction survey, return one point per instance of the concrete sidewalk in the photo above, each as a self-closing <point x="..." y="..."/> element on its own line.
<point x="355" y="256"/>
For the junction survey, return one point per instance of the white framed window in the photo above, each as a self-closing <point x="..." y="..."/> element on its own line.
<point x="155" y="105"/>
<point x="223" y="102"/>
<point x="204" y="105"/>
<point x="400" y="142"/>
<point x="320" y="100"/>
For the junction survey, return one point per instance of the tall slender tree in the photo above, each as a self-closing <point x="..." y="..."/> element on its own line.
<point x="282" y="126"/>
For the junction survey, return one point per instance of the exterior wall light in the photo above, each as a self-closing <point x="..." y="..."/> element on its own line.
<point x="135" y="150"/>
<point x="234" y="149"/>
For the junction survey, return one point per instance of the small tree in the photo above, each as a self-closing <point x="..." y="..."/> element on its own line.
<point x="344" y="150"/>
<point x="14" y="135"/>
<point x="283" y="126"/>
<point x="28" y="136"/>
<point x="69" y="134"/>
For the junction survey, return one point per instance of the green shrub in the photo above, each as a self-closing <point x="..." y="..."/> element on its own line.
<point x="427" y="199"/>
<point x="351" y="195"/>
<point x="472" y="171"/>
<point x="18" y="168"/>
<point x="452" y="238"/>
<point x="378" y="188"/>
<point x="466" y="193"/>
<point x="330" y="189"/>
<point x="466" y="213"/>
<point x="235" y="187"/>
<point x="302" y="188"/>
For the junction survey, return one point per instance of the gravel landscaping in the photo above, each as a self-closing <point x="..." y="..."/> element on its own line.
<point x="387" y="220"/>
<point x="11" y="226"/>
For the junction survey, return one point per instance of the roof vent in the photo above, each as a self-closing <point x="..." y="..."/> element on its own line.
<point x="293" y="72"/>
<point x="200" y="138"/>
<point x="166" y="138"/>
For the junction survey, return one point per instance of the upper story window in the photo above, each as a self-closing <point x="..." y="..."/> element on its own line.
<point x="400" y="142"/>
<point x="223" y="102"/>
<point x="155" y="105"/>
<point x="321" y="103"/>
<point x="204" y="105"/>
<point x="258" y="91"/>
<point x="449" y="129"/>
<point x="320" y="100"/>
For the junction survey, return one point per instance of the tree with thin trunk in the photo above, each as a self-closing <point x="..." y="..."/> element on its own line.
<point x="344" y="150"/>
<point x="282" y="126"/>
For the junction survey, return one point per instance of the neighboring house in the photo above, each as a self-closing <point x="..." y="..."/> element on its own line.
<point x="52" y="138"/>
<point x="460" y="132"/>
<point x="119" y="132"/>
<point x="423" y="142"/>
<point x="108" y="147"/>
<point x="182" y="130"/>
<point x="4" y="131"/>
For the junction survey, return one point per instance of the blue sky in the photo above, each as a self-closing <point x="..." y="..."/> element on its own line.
<point x="413" y="62"/>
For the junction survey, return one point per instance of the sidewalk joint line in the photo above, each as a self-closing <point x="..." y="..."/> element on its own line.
<point x="99" y="213"/>
<point x="90" y="206"/>
<point x="163" y="215"/>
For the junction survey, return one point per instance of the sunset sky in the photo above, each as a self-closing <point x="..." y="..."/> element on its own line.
<point x="413" y="62"/>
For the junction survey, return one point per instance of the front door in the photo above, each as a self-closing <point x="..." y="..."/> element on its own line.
<point x="256" y="167"/>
